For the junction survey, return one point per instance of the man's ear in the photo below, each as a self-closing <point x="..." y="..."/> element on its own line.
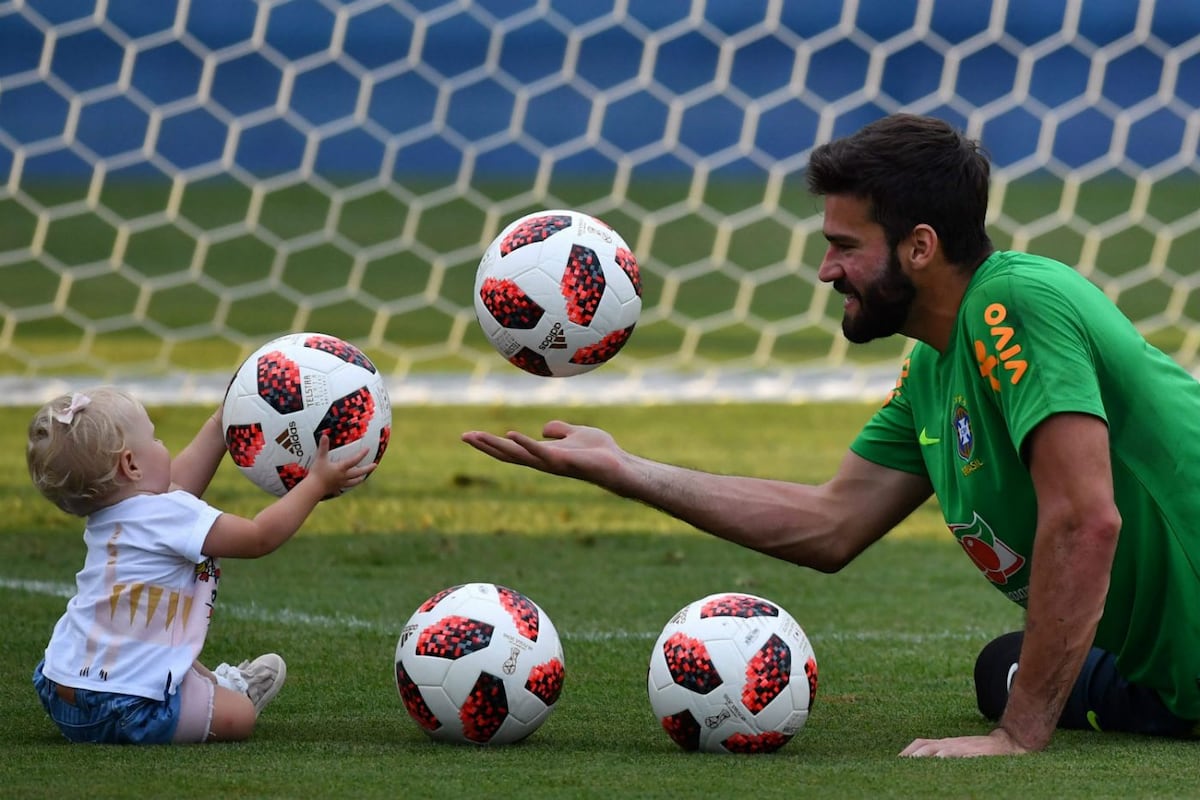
<point x="921" y="246"/>
<point x="127" y="466"/>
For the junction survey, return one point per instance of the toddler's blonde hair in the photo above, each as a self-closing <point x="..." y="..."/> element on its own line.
<point x="73" y="451"/>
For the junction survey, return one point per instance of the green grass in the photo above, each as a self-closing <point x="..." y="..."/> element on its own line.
<point x="895" y="633"/>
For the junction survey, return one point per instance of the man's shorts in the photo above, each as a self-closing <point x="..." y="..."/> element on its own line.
<point x="1101" y="698"/>
<point x="106" y="717"/>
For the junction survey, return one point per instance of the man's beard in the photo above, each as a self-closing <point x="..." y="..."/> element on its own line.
<point x="883" y="306"/>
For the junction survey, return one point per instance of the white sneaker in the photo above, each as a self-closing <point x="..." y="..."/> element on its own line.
<point x="264" y="678"/>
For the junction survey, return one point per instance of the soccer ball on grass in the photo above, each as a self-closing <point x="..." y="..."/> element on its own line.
<point x="732" y="673"/>
<point x="558" y="293"/>
<point x="291" y="391"/>
<point x="480" y="664"/>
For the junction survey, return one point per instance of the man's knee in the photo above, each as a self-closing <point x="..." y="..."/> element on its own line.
<point x="994" y="670"/>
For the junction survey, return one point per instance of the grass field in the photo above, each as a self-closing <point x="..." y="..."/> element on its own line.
<point x="895" y="634"/>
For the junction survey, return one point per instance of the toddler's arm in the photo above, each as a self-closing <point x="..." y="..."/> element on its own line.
<point x="194" y="467"/>
<point x="232" y="536"/>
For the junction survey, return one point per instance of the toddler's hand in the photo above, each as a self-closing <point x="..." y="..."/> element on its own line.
<point x="342" y="474"/>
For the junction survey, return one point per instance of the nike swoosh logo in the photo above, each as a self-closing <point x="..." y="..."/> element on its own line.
<point x="925" y="438"/>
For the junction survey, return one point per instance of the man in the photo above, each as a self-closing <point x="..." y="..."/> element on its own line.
<point x="1061" y="447"/>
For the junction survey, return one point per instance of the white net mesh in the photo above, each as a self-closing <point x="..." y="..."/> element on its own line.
<point x="182" y="181"/>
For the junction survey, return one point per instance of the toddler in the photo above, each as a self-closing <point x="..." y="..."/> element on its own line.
<point x="122" y="663"/>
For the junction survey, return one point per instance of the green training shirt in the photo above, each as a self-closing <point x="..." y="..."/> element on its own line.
<point x="1035" y="338"/>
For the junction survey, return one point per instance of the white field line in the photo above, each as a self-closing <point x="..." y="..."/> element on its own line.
<point x="288" y="616"/>
<point x="869" y="383"/>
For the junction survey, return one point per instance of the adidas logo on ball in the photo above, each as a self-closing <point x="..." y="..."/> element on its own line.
<point x="289" y="439"/>
<point x="555" y="339"/>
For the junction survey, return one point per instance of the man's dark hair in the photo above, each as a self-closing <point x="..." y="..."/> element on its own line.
<point x="912" y="170"/>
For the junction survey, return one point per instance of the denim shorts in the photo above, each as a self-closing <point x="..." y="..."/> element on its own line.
<point x="109" y="718"/>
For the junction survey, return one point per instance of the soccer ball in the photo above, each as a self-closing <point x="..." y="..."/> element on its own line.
<point x="732" y="673"/>
<point x="289" y="392"/>
<point x="558" y="293"/>
<point x="479" y="664"/>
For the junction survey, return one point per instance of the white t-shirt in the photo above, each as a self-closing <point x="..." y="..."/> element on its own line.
<point x="143" y="599"/>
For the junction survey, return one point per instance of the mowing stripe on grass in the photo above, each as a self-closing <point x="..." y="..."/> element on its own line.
<point x="287" y="616"/>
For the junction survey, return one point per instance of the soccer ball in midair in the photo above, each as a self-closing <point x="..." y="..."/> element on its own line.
<point x="732" y="673"/>
<point x="558" y="293"/>
<point x="291" y="391"/>
<point x="479" y="664"/>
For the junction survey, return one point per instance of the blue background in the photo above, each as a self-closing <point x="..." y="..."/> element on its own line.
<point x="409" y="65"/>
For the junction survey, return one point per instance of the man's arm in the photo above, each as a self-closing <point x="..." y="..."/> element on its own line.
<point x="1077" y="529"/>
<point x="1078" y="526"/>
<point x="823" y="527"/>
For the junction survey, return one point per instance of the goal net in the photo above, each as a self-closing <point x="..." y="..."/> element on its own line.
<point x="182" y="181"/>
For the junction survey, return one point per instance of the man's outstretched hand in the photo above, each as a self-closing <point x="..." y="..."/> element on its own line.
<point x="575" y="451"/>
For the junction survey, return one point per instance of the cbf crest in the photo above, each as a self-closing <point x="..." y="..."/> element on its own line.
<point x="964" y="437"/>
<point x="962" y="430"/>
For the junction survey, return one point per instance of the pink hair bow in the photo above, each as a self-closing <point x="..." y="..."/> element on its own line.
<point x="79" y="401"/>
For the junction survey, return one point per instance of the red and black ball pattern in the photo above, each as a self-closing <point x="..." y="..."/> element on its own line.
<point x="604" y="349"/>
<point x="810" y="672"/>
<point x="244" y="443"/>
<point x="522" y="610"/>
<point x="768" y="673"/>
<point x="347" y="418"/>
<point x="454" y="637"/>
<point x="738" y="605"/>
<point x="410" y="694"/>
<point x="509" y="304"/>
<point x="683" y="729"/>
<point x="583" y="284"/>
<point x="628" y="264"/>
<point x="437" y="598"/>
<point x="342" y="349"/>
<point x="290" y="475"/>
<point x="535" y="229"/>
<point x="546" y="681"/>
<point x="766" y="742"/>
<point x="531" y="361"/>
<point x="689" y="664"/>
<point x="385" y="436"/>
<point x="279" y="382"/>
<point x="485" y="709"/>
